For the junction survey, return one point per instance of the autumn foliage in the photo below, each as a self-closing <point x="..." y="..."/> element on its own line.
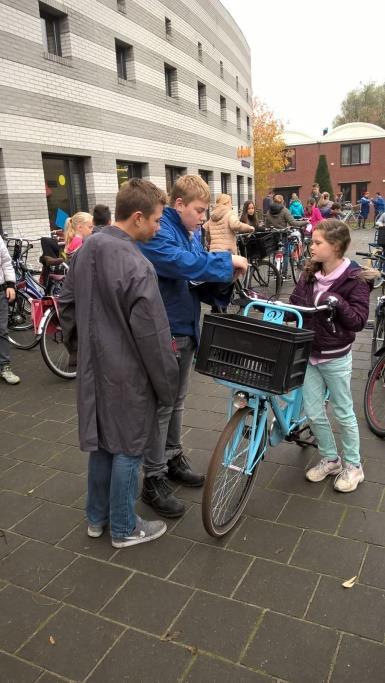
<point x="269" y="146"/>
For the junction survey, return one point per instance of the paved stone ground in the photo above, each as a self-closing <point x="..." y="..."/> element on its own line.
<point x="264" y="604"/>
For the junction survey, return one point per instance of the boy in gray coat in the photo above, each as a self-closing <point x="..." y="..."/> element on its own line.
<point x="7" y="296"/>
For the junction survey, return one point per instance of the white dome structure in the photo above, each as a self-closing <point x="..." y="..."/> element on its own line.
<point x="357" y="130"/>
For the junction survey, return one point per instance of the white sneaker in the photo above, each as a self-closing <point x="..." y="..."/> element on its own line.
<point x="144" y="531"/>
<point x="349" y="478"/>
<point x="323" y="469"/>
<point x="94" y="530"/>
<point x="8" y="376"/>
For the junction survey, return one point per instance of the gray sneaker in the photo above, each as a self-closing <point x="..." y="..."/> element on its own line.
<point x="8" y="376"/>
<point x="95" y="530"/>
<point x="144" y="531"/>
<point x="323" y="469"/>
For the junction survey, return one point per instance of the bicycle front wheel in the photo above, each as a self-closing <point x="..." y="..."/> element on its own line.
<point x="297" y="261"/>
<point x="265" y="279"/>
<point x="353" y="222"/>
<point x="377" y="339"/>
<point x="54" y="352"/>
<point x="21" y="331"/>
<point x="228" y="487"/>
<point x="374" y="398"/>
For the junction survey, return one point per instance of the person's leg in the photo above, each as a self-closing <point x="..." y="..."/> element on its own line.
<point x="98" y="497"/>
<point x="6" y="372"/>
<point x="314" y="407"/>
<point x="123" y="493"/>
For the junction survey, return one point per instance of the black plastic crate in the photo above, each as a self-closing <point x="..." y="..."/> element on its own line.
<point x="261" y="244"/>
<point x="254" y="353"/>
<point x="381" y="236"/>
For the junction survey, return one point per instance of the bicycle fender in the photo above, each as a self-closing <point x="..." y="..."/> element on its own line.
<point x="380" y="351"/>
<point x="42" y="322"/>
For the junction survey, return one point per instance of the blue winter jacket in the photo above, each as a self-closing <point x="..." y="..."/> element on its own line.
<point x="296" y="209"/>
<point x="379" y="205"/>
<point x="364" y="206"/>
<point x="179" y="259"/>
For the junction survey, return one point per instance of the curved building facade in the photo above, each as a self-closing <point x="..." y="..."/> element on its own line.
<point x="97" y="91"/>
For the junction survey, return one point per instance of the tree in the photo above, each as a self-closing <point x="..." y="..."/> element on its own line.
<point x="269" y="146"/>
<point x="322" y="176"/>
<point x="366" y="103"/>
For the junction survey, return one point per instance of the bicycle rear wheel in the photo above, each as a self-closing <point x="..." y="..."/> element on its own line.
<point x="52" y="347"/>
<point x="265" y="279"/>
<point x="353" y="222"/>
<point x="227" y="487"/>
<point x="374" y="398"/>
<point x="297" y="260"/>
<point x="21" y="331"/>
<point x="377" y="339"/>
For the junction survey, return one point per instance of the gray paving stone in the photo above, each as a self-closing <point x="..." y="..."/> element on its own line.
<point x="265" y="539"/>
<point x="6" y="463"/>
<point x="49" y="523"/>
<point x="9" y="542"/>
<point x="157" y="558"/>
<point x="375" y="470"/>
<point x="71" y="438"/>
<point x="372" y="449"/>
<point x="73" y="632"/>
<point x="21" y="613"/>
<point x="311" y="514"/>
<point x="63" y="488"/>
<point x="79" y="542"/>
<point x="14" y="507"/>
<point x="37" y="451"/>
<point x="329" y="554"/>
<point x="50" y="430"/>
<point x="367" y="495"/>
<point x="157" y="660"/>
<point x="277" y="587"/>
<point x="191" y="526"/>
<point x="291" y="649"/>
<point x="69" y="460"/>
<point x="265" y="473"/>
<point x="204" y="403"/>
<point x="9" y="442"/>
<point x="359" y="610"/>
<point x="212" y="569"/>
<point x="13" y="670"/>
<point x="24" y="477"/>
<point x="373" y="571"/>
<point x="59" y="412"/>
<point x="365" y="525"/>
<point x="359" y="660"/>
<point x="20" y="424"/>
<point x="290" y="454"/>
<point x="147" y="603"/>
<point x="265" y="503"/>
<point x="34" y="564"/>
<point x="203" y="420"/>
<point x="201" y="624"/>
<point x="210" y="670"/>
<point x="292" y="480"/>
<point x="49" y="678"/>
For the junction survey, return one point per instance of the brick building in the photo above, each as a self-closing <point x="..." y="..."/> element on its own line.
<point x="355" y="154"/>
<point x="97" y="91"/>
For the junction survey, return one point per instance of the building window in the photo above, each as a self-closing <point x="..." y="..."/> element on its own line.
<point x="248" y="127"/>
<point x="170" y="77"/>
<point x="360" y="189"/>
<point x="247" y="94"/>
<point x="249" y="189"/>
<point x="172" y="175"/>
<point x="124" y="61"/>
<point x="200" y="52"/>
<point x="221" y="69"/>
<point x="51" y="24"/>
<point x="238" y="114"/>
<point x="239" y="191"/>
<point x="222" y="104"/>
<point x="167" y="27"/>
<point x="237" y="82"/>
<point x="202" y="102"/>
<point x="346" y="189"/>
<point x="290" y="160"/>
<point x="121" y="6"/>
<point x="68" y="196"/>
<point x="352" y="155"/>
<point x="207" y="176"/>
<point x="226" y="183"/>
<point x="129" y="169"/>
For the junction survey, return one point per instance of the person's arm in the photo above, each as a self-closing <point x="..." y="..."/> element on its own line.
<point x="353" y="314"/>
<point x="67" y="310"/>
<point x="6" y="265"/>
<point x="291" y="221"/>
<point x="173" y="261"/>
<point x="151" y="331"/>
<point x="237" y="226"/>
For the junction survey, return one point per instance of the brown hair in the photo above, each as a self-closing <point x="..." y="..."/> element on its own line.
<point x="188" y="188"/>
<point x="335" y="232"/>
<point x="138" y="195"/>
<point x="73" y="223"/>
<point x="278" y="199"/>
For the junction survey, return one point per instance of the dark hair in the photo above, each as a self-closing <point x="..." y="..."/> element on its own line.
<point x="245" y="218"/>
<point x="335" y="206"/>
<point x="335" y="232"/>
<point x="138" y="195"/>
<point x="311" y="201"/>
<point x="101" y="215"/>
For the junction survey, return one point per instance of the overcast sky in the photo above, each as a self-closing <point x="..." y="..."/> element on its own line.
<point x="306" y="56"/>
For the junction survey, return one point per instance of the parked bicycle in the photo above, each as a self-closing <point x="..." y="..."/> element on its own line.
<point x="263" y="363"/>
<point x="262" y="275"/>
<point x="351" y="215"/>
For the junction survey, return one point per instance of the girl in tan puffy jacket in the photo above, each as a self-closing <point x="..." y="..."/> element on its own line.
<point x="223" y="225"/>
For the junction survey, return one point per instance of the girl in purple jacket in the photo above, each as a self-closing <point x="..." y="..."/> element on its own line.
<point x="327" y="273"/>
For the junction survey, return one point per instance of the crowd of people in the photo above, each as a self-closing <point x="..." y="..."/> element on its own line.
<point x="130" y="314"/>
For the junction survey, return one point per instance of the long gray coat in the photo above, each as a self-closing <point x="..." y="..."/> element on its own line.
<point x="112" y="313"/>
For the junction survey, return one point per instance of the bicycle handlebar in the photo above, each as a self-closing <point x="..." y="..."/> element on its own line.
<point x="368" y="255"/>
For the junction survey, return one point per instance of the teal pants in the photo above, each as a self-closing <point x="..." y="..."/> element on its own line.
<point x="334" y="375"/>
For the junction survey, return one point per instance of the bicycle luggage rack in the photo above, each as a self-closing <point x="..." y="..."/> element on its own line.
<point x="254" y="353"/>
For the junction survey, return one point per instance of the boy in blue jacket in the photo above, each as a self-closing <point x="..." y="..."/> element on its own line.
<point x="180" y="260"/>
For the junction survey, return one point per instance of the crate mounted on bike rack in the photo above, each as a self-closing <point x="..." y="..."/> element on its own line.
<point x="254" y="353"/>
<point x="381" y="236"/>
<point x="261" y="244"/>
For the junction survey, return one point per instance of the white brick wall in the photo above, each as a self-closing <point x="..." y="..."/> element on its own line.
<point x="21" y="180"/>
<point x="20" y="24"/>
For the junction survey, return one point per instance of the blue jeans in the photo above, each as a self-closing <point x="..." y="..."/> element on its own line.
<point x="112" y="491"/>
<point x="334" y="375"/>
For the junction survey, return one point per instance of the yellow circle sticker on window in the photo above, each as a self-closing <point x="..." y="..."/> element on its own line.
<point x="62" y="180"/>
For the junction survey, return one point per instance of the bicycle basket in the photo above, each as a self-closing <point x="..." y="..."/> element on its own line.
<point x="254" y="353"/>
<point x="381" y="236"/>
<point x="261" y="244"/>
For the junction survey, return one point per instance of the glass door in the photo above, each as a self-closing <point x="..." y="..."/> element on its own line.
<point x="64" y="186"/>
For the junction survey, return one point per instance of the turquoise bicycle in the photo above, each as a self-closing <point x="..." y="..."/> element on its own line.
<point x="263" y="362"/>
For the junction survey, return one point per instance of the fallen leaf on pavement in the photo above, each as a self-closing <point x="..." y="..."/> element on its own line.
<point x="52" y="640"/>
<point x="350" y="582"/>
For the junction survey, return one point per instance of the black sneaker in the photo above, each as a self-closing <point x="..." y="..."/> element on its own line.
<point x="179" y="470"/>
<point x="158" y="493"/>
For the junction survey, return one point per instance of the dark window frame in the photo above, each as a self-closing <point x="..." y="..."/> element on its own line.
<point x="221" y="70"/>
<point x="248" y="131"/>
<point x="200" y="51"/>
<point x="134" y="169"/>
<point x="51" y="31"/>
<point x="202" y="97"/>
<point x="171" y="81"/>
<point x="292" y="167"/>
<point x="168" y="27"/>
<point x="223" y="108"/>
<point x="238" y="117"/>
<point x="124" y="59"/>
<point x="121" y="6"/>
<point x="226" y="183"/>
<point x="350" y="146"/>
